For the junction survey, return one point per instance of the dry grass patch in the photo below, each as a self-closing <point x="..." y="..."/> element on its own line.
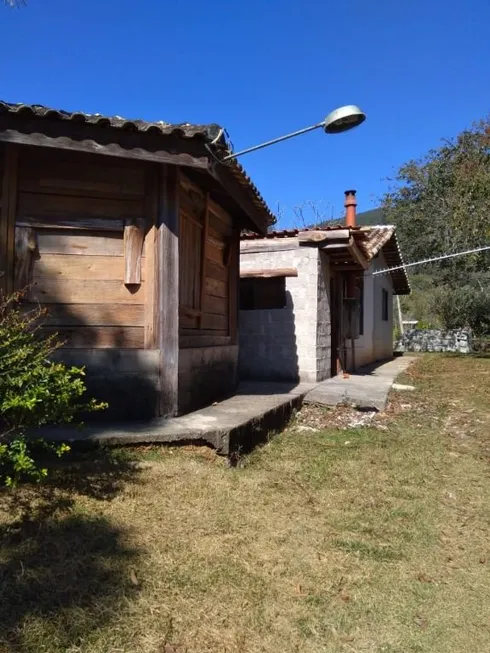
<point x="328" y="539"/>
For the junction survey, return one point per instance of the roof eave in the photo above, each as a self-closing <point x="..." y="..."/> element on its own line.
<point x="183" y="144"/>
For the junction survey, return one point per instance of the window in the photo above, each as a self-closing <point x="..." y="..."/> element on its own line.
<point x="256" y="294"/>
<point x="384" y="306"/>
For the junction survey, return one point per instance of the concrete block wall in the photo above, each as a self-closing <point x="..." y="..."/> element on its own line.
<point x="324" y="331"/>
<point x="287" y="344"/>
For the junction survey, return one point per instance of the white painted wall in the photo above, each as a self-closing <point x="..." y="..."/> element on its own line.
<point x="292" y="343"/>
<point x="376" y="343"/>
<point x="383" y="330"/>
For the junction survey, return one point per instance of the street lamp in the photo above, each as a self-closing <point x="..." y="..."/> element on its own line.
<point x="338" y="121"/>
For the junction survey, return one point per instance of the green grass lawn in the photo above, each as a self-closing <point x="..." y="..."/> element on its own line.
<point x="328" y="539"/>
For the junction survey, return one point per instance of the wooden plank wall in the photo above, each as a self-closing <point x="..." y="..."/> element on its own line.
<point x="206" y="258"/>
<point x="3" y="227"/>
<point x="77" y="206"/>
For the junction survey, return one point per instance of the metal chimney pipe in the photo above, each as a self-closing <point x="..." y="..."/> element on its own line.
<point x="350" y="208"/>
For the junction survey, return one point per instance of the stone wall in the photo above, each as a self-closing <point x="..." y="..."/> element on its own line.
<point x="459" y="340"/>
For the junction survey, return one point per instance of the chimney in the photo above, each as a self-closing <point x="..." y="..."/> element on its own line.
<point x="350" y="208"/>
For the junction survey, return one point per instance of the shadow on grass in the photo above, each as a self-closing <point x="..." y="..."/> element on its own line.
<point x="65" y="570"/>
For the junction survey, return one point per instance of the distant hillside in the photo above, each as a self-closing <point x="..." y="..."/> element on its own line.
<point x="366" y="218"/>
<point x="375" y="216"/>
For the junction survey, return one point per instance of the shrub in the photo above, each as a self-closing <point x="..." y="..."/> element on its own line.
<point x="463" y="306"/>
<point x="34" y="391"/>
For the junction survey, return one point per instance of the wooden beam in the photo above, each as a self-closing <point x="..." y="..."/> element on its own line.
<point x="167" y="290"/>
<point x="7" y="219"/>
<point x="133" y="251"/>
<point x="317" y="236"/>
<point x="82" y="137"/>
<point x="268" y="245"/>
<point x="26" y="251"/>
<point x="337" y="246"/>
<point x="224" y="175"/>
<point x="357" y="255"/>
<point x="268" y="274"/>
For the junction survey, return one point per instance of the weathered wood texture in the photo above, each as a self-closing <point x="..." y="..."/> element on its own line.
<point x="234" y="284"/>
<point x="74" y="249"/>
<point x="208" y="258"/>
<point x="7" y="217"/>
<point x="134" y="237"/>
<point x="152" y="190"/>
<point x="317" y="236"/>
<point x="167" y="289"/>
<point x="268" y="274"/>
<point x="26" y="251"/>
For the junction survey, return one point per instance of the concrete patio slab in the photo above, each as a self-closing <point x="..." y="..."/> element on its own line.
<point x="367" y="389"/>
<point x="234" y="425"/>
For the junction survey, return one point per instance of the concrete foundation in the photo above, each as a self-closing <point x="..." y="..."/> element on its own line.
<point x="232" y="427"/>
<point x="206" y="374"/>
<point x="367" y="389"/>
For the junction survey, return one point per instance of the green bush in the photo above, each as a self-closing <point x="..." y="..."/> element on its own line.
<point x="34" y="391"/>
<point x="463" y="306"/>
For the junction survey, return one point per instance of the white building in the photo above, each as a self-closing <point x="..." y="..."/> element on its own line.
<point x="309" y="303"/>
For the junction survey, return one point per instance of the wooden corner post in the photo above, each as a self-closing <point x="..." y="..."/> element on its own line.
<point x="167" y="288"/>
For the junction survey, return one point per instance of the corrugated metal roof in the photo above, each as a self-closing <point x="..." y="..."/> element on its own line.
<point x="206" y="133"/>
<point x="185" y="130"/>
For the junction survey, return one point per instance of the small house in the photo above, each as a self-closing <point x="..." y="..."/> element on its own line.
<point x="310" y="304"/>
<point x="128" y="233"/>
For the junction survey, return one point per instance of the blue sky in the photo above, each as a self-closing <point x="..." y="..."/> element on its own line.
<point x="420" y="70"/>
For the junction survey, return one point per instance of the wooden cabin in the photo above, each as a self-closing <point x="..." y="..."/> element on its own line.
<point x="128" y="233"/>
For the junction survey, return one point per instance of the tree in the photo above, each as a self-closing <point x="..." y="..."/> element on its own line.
<point x="441" y="205"/>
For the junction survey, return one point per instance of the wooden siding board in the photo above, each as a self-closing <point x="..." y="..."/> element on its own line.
<point x="114" y="315"/>
<point x="69" y="173"/>
<point x="99" y="337"/>
<point x="7" y="218"/>
<point x="90" y="268"/>
<point x="52" y="205"/>
<point x="80" y="243"/>
<point x="79" y="291"/>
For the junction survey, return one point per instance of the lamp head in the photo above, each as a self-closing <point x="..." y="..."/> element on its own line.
<point x="342" y="119"/>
